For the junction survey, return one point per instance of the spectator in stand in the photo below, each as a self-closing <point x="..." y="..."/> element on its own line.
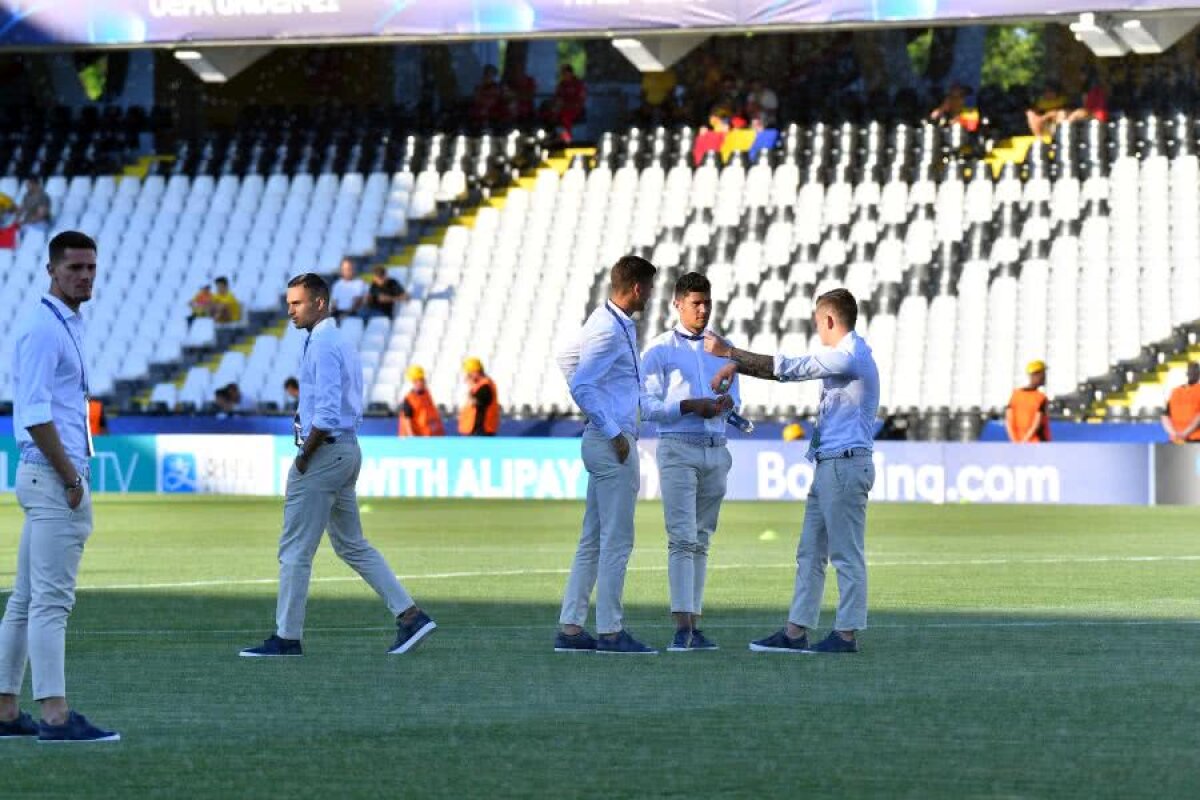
<point x="480" y="414"/>
<point x="1027" y="418"/>
<point x="418" y="413"/>
<point x="569" y="102"/>
<point x="34" y="212"/>
<point x="383" y="294"/>
<point x="711" y="138"/>
<point x="291" y="394"/>
<point x="1182" y="420"/>
<point x="225" y="307"/>
<point x="347" y="295"/>
<point x="520" y="89"/>
<point x="488" y="107"/>
<point x="202" y="303"/>
<point x="658" y="92"/>
<point x="1048" y="110"/>
<point x="763" y="103"/>
<point x="1095" y="101"/>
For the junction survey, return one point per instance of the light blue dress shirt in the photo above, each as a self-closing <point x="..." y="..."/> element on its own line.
<point x="676" y="368"/>
<point x="331" y="387"/>
<point x="849" y="393"/>
<point x="50" y="380"/>
<point x="606" y="383"/>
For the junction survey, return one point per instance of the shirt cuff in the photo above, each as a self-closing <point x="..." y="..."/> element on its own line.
<point x="38" y="414"/>
<point x="611" y="430"/>
<point x="674" y="411"/>
<point x="328" y="425"/>
<point x="779" y="367"/>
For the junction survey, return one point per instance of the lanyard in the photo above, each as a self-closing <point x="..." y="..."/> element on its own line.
<point x="629" y="339"/>
<point x="78" y="352"/>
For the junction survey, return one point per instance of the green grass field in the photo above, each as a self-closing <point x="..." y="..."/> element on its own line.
<point x="1014" y="652"/>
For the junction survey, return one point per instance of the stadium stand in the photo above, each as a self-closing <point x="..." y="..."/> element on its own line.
<point x="967" y="269"/>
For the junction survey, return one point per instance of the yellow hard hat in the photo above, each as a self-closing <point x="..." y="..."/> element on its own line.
<point x="793" y="432"/>
<point x="472" y="364"/>
<point x="415" y="373"/>
<point x="1035" y="366"/>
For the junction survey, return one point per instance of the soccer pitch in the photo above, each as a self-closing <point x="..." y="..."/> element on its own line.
<point x="1014" y="652"/>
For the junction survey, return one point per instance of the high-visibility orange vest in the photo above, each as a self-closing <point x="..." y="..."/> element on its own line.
<point x="425" y="420"/>
<point x="1183" y="407"/>
<point x="468" y="414"/>
<point x="1025" y="404"/>
<point x="96" y="417"/>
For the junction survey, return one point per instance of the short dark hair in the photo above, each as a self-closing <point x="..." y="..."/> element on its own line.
<point x="630" y="271"/>
<point x="691" y="282"/>
<point x="843" y="304"/>
<point x="380" y="270"/>
<point x="313" y="282"/>
<point x="70" y="240"/>
<point x="291" y="383"/>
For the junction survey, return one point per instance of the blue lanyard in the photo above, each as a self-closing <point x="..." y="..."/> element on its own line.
<point x="78" y="352"/>
<point x="629" y="339"/>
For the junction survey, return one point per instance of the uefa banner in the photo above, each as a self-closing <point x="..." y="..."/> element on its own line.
<point x="551" y="468"/>
<point x="131" y="22"/>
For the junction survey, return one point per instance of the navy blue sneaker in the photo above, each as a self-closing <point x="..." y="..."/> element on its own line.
<point x="22" y="726"/>
<point x="701" y="642"/>
<point x="780" y="642"/>
<point x="75" y="729"/>
<point x="581" y="642"/>
<point x="681" y="641"/>
<point x="273" y="647"/>
<point x="624" y="644"/>
<point x="409" y="635"/>
<point x="834" y="644"/>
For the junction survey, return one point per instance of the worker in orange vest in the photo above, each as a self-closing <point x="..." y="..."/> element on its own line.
<point x="419" y="414"/>
<point x="480" y="415"/>
<point x="97" y="422"/>
<point x="1027" y="418"/>
<point x="1182" y="420"/>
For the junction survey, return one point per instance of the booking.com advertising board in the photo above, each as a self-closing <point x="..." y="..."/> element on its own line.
<point x="132" y="22"/>
<point x="550" y="468"/>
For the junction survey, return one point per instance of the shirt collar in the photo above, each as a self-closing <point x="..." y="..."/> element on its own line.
<point x="327" y="322"/>
<point x="621" y="315"/>
<point x="684" y="333"/>
<point x="846" y="342"/>
<point x="62" y="307"/>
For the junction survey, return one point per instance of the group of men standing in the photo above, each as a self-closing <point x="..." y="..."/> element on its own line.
<point x="687" y="382"/>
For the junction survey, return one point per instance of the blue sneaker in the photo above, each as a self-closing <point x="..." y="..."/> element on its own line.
<point x="75" y="729"/>
<point x="834" y="644"/>
<point x="273" y="647"/>
<point x="780" y="642"/>
<point x="701" y="642"/>
<point x="581" y="642"/>
<point x="409" y="635"/>
<point x="624" y="644"/>
<point x="681" y="642"/>
<point x="20" y="727"/>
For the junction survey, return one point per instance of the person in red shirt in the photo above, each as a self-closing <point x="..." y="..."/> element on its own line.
<point x="488" y="106"/>
<point x="519" y="91"/>
<point x="570" y="99"/>
<point x="1182" y="420"/>
<point x="1027" y="418"/>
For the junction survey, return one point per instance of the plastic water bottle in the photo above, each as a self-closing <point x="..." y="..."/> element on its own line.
<point x="741" y="423"/>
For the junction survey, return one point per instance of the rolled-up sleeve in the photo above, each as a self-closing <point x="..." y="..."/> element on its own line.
<point x="327" y="377"/>
<point x="37" y="359"/>
<point x="597" y="354"/>
<point x="820" y="365"/>
<point x="654" y="404"/>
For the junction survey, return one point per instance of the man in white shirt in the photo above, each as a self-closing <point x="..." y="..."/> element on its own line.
<point x="348" y="292"/>
<point x="604" y="372"/>
<point x="321" y="483"/>
<point x="763" y="103"/>
<point x="50" y="422"/>
<point x="693" y="461"/>
<point x="835" y="516"/>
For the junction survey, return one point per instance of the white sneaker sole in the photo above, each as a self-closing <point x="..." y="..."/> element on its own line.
<point x="674" y="649"/>
<point x="244" y="654"/>
<point x="626" y="653"/>
<point x="758" y="648"/>
<point x="116" y="737"/>
<point x="416" y="639"/>
<point x="574" y="650"/>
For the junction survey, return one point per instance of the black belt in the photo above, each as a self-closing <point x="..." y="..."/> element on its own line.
<point x="848" y="453"/>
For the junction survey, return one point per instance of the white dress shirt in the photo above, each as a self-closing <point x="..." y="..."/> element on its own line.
<point x="849" y="393"/>
<point x="50" y="380"/>
<point x="676" y="368"/>
<point x="345" y="292"/>
<point x="331" y="387"/>
<point x="606" y="382"/>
